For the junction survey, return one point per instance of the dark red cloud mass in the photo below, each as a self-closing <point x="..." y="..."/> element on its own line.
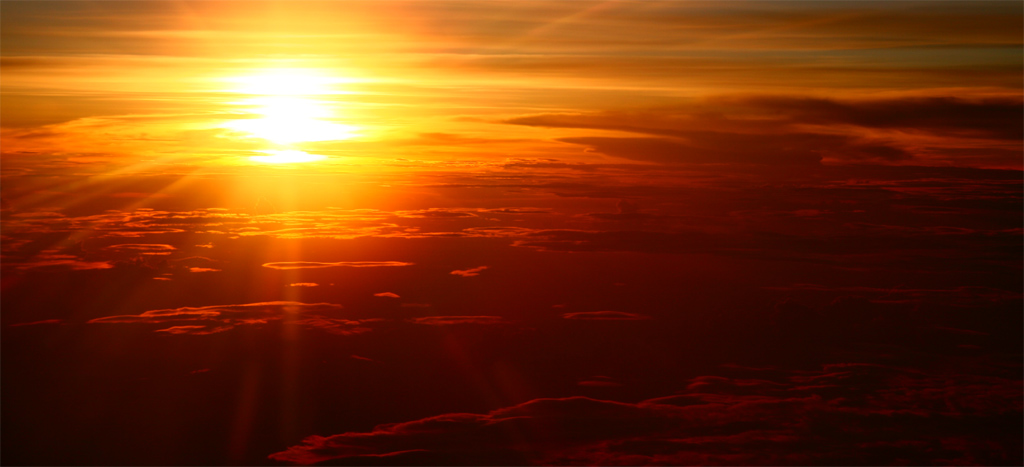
<point x="218" y="318"/>
<point x="349" y="264"/>
<point x="839" y="315"/>
<point x="795" y="131"/>
<point x="447" y="320"/>
<point x="468" y="272"/>
<point x="715" y="421"/>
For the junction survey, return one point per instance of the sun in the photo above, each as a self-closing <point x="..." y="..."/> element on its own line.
<point x="286" y="107"/>
<point x="289" y="120"/>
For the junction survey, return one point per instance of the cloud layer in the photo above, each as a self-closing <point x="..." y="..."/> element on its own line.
<point x="715" y="421"/>
<point x="218" y="318"/>
<point x="339" y="264"/>
<point x="793" y="131"/>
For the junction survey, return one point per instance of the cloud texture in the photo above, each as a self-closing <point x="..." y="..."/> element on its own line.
<point x="716" y="421"/>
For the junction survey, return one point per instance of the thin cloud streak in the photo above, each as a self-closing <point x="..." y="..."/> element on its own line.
<point x="472" y="272"/>
<point x="219" y="318"/>
<point x="339" y="264"/>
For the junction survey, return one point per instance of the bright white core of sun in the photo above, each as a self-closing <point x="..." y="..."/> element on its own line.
<point x="285" y="111"/>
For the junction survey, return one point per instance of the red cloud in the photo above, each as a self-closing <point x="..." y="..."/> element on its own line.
<point x="193" y="329"/>
<point x="447" y="320"/>
<point x="33" y="323"/>
<point x="852" y="414"/>
<point x="349" y="264"/>
<point x="469" y="272"/>
<point x="64" y="262"/>
<point x="605" y="316"/>
<point x="144" y="248"/>
<point x="219" y="318"/>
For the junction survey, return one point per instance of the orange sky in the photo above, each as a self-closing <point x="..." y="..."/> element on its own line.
<point x="162" y="82"/>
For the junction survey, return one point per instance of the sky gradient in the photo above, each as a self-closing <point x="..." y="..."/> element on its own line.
<point x="512" y="233"/>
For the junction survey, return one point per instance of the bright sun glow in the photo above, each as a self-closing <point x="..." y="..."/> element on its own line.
<point x="287" y="82"/>
<point x="286" y="112"/>
<point x="286" y="157"/>
<point x="289" y="120"/>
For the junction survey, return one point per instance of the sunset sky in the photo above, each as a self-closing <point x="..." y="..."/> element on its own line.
<point x="499" y="232"/>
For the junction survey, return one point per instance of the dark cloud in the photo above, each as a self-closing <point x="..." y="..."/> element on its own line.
<point x="535" y="164"/>
<point x="628" y="211"/>
<point x="63" y="262"/>
<point x="999" y="118"/>
<point x="468" y="272"/>
<point x="651" y="242"/>
<point x="960" y="296"/>
<point x="141" y="222"/>
<point x="194" y="329"/>
<point x="193" y="262"/>
<point x="33" y="323"/>
<point x="520" y="210"/>
<point x="341" y="327"/>
<point x="339" y="264"/>
<point x="844" y="413"/>
<point x="573" y="420"/>
<point x="742" y="246"/>
<point x="798" y="131"/>
<point x="905" y="246"/>
<point x="450" y="320"/>
<point x="944" y="217"/>
<point x="247" y="310"/>
<point x="219" y="318"/>
<point x="497" y="231"/>
<point x="431" y="139"/>
<point x="143" y="248"/>
<point x="678" y="151"/>
<point x="435" y="214"/>
<point x="599" y="382"/>
<point x="605" y="316"/>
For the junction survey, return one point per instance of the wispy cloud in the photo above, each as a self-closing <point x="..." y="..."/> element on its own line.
<point x="715" y="421"/>
<point x="605" y="316"/>
<point x="339" y="264"/>
<point x="795" y="130"/>
<point x="64" y="262"/>
<point x="469" y="272"/>
<point x="34" y="323"/>
<point x="196" y="269"/>
<point x="450" y="320"/>
<point x="143" y="248"/>
<point x="219" y="318"/>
